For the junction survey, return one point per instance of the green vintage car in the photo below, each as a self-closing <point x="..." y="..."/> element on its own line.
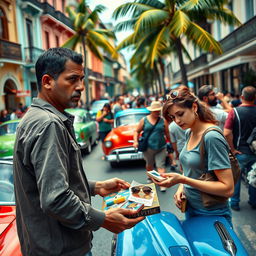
<point x="7" y="138"/>
<point x="85" y="128"/>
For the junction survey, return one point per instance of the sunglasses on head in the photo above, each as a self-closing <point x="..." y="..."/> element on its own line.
<point x="146" y="190"/>
<point x="172" y="95"/>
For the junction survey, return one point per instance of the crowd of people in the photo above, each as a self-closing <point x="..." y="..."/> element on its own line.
<point x="17" y="113"/>
<point x="52" y="192"/>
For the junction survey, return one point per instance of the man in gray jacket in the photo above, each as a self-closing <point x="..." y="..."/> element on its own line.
<point x="53" y="195"/>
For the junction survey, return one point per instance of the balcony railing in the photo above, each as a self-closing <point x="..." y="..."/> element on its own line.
<point x="32" y="54"/>
<point x="10" y="50"/>
<point x="241" y="35"/>
<point x="48" y="9"/>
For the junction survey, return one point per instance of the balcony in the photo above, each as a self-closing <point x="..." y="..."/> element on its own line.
<point x="241" y="35"/>
<point x="10" y="50"/>
<point x="32" y="54"/>
<point x="48" y="9"/>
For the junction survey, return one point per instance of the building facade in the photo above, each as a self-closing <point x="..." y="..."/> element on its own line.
<point x="229" y="70"/>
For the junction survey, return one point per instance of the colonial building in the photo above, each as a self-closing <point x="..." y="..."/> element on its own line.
<point x="229" y="70"/>
<point x="11" y="80"/>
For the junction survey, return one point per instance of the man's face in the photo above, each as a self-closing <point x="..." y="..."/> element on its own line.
<point x="212" y="99"/>
<point x="67" y="89"/>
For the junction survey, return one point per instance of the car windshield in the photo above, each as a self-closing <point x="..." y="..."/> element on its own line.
<point x="130" y="119"/>
<point x="8" y="128"/>
<point x="78" y="119"/>
<point x="6" y="184"/>
<point x="97" y="105"/>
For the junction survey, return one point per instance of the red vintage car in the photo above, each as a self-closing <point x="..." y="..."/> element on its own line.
<point x="118" y="145"/>
<point x="9" y="242"/>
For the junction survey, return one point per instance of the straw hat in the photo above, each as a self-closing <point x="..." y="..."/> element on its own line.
<point x="155" y="106"/>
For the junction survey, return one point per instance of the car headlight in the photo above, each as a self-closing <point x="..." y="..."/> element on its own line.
<point x="108" y="144"/>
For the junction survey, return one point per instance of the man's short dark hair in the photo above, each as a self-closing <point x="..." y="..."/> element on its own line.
<point x="53" y="61"/>
<point x="204" y="91"/>
<point x="249" y="93"/>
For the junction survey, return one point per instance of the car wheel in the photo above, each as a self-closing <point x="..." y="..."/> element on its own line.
<point x="89" y="148"/>
<point x="114" y="164"/>
<point x="113" y="245"/>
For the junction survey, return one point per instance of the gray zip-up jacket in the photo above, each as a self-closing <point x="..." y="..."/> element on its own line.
<point x="54" y="215"/>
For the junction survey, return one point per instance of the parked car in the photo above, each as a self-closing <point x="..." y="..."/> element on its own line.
<point x="118" y="144"/>
<point x="163" y="235"/>
<point x="9" y="242"/>
<point x="85" y="128"/>
<point x="96" y="106"/>
<point x="7" y="137"/>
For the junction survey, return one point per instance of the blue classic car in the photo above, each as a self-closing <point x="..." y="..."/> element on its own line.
<point x="164" y="235"/>
<point x="118" y="144"/>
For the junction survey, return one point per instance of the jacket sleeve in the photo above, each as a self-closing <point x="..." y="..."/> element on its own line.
<point x="50" y="159"/>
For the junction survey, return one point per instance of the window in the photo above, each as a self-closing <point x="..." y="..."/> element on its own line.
<point x="29" y="33"/>
<point x="249" y="9"/>
<point x="3" y="25"/>
<point x="57" y="41"/>
<point x="63" y="5"/>
<point x="47" y="40"/>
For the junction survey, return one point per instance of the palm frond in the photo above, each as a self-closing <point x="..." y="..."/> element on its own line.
<point x="125" y="25"/>
<point x="102" y="41"/>
<point x="79" y="20"/>
<point x="224" y="15"/>
<point x="179" y="23"/>
<point x="72" y="42"/>
<point x="94" y="15"/>
<point x="106" y="32"/>
<point x="150" y="19"/>
<point x="94" y="49"/>
<point x="87" y="25"/>
<point x="71" y="13"/>
<point x="82" y="6"/>
<point x="128" y="41"/>
<point x="133" y="9"/>
<point x="203" y="39"/>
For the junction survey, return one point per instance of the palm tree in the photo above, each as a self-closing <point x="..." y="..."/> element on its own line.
<point x="85" y="24"/>
<point x="163" y="25"/>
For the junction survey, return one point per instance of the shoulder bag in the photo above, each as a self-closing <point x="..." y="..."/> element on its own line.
<point x="209" y="199"/>
<point x="143" y="141"/>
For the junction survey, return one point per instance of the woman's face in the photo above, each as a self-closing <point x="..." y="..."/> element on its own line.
<point x="184" y="117"/>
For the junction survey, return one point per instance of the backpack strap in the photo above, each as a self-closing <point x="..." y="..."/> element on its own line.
<point x="239" y="128"/>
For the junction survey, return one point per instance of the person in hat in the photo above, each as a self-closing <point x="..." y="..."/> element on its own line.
<point x="155" y="129"/>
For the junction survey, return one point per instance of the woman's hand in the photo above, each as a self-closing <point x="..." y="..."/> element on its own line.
<point x="178" y="196"/>
<point x="171" y="179"/>
<point x="135" y="144"/>
<point x="106" y="187"/>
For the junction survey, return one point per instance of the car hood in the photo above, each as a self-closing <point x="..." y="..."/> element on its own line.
<point x="7" y="216"/>
<point x="124" y="131"/>
<point x="7" y="139"/>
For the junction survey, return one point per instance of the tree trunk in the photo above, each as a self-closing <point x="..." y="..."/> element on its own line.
<point x="86" y="76"/>
<point x="183" y="70"/>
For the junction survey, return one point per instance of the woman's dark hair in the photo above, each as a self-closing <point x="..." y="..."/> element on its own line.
<point x="107" y="105"/>
<point x="53" y="61"/>
<point x="185" y="99"/>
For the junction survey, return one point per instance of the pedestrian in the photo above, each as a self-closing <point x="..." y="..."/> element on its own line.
<point x="4" y="116"/>
<point x="119" y="104"/>
<point x="207" y="95"/>
<point x="157" y="127"/>
<point x="105" y="120"/>
<point x="238" y="127"/>
<point x="53" y="196"/>
<point x="189" y="113"/>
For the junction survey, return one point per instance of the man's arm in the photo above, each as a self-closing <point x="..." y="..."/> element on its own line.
<point x="229" y="136"/>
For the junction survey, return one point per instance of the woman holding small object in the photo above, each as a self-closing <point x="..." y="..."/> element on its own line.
<point x="155" y="129"/>
<point x="186" y="110"/>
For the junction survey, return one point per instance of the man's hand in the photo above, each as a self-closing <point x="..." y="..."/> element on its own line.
<point x="116" y="222"/>
<point x="106" y="187"/>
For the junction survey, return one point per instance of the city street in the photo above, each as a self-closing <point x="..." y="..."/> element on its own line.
<point x="97" y="169"/>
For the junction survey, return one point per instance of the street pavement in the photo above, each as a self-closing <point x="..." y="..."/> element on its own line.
<point x="98" y="169"/>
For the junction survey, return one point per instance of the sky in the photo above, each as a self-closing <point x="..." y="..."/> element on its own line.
<point x="105" y="17"/>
